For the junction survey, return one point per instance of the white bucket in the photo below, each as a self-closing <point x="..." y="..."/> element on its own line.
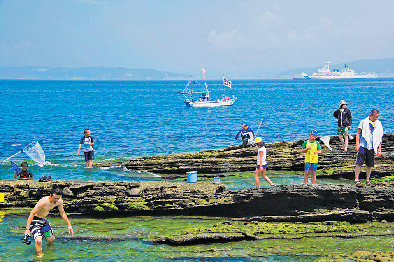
<point x="192" y="176"/>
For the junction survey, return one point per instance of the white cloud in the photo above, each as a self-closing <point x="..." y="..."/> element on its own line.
<point x="225" y="41"/>
<point x="267" y="18"/>
<point x="292" y="35"/>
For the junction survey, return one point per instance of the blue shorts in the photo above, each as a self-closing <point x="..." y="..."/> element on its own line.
<point x="365" y="155"/>
<point x="310" y="166"/>
<point x="264" y="166"/>
<point x="88" y="156"/>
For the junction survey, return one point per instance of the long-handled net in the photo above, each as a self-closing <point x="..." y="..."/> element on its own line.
<point x="15" y="167"/>
<point x="34" y="151"/>
<point x="326" y="141"/>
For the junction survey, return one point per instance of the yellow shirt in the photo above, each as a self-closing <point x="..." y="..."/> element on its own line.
<point x="310" y="156"/>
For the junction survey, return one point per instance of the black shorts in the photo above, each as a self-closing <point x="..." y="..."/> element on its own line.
<point x="88" y="156"/>
<point x="365" y="155"/>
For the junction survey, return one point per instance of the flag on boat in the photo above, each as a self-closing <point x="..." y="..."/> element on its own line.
<point x="203" y="73"/>
<point x="226" y="82"/>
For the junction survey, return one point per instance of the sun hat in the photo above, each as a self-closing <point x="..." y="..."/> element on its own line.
<point x="258" y="140"/>
<point x="24" y="164"/>
<point x="313" y="133"/>
<point x="343" y="102"/>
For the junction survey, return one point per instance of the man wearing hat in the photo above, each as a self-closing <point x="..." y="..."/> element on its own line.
<point x="24" y="173"/>
<point x="344" y="117"/>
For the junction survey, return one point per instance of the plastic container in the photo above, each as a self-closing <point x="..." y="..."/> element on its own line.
<point x="216" y="179"/>
<point x="1" y="197"/>
<point x="192" y="176"/>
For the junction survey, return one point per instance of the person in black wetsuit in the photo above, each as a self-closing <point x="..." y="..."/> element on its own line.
<point x="24" y="173"/>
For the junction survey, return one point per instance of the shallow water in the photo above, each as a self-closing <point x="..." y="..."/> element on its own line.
<point x="125" y="239"/>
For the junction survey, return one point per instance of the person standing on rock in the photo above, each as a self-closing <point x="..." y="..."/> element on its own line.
<point x="344" y="117"/>
<point x="87" y="143"/>
<point x="247" y="136"/>
<point x="261" y="162"/>
<point x="368" y="141"/>
<point x="38" y="225"/>
<point x="312" y="148"/>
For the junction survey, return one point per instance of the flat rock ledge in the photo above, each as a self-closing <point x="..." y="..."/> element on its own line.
<point x="281" y="156"/>
<point x="278" y="203"/>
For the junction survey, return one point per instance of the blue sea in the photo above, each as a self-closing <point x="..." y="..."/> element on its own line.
<point x="145" y="118"/>
<point x="130" y="119"/>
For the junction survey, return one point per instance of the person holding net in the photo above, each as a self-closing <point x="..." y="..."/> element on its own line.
<point x="24" y="174"/>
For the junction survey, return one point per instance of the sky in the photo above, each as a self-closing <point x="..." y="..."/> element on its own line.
<point x="241" y="37"/>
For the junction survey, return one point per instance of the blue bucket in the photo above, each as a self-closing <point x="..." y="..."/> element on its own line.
<point x="192" y="176"/>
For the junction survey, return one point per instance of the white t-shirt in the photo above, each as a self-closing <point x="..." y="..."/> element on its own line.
<point x="262" y="150"/>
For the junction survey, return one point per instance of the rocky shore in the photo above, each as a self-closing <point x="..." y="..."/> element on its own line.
<point x="281" y="156"/>
<point x="279" y="203"/>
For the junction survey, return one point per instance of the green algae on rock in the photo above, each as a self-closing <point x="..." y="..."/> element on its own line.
<point x="279" y="203"/>
<point x="281" y="156"/>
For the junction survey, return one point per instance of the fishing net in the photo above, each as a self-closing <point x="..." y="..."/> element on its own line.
<point x="326" y="141"/>
<point x="15" y="167"/>
<point x="35" y="152"/>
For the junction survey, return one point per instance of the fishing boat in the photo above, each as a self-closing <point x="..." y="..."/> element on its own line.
<point x="204" y="98"/>
<point x="346" y="73"/>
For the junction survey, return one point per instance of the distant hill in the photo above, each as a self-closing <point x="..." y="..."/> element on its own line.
<point x="86" y="73"/>
<point x="382" y="67"/>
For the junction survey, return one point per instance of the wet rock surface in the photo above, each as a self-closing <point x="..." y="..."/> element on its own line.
<point x="281" y="156"/>
<point x="278" y="203"/>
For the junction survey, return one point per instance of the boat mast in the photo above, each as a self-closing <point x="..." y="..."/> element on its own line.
<point x="223" y="95"/>
<point x="205" y="83"/>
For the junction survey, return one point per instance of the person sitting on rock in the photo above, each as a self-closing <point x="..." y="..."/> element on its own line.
<point x="247" y="135"/>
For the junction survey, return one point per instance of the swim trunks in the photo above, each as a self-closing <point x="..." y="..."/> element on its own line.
<point x="343" y="130"/>
<point x="365" y="155"/>
<point x="88" y="155"/>
<point x="310" y="166"/>
<point x="264" y="166"/>
<point x="40" y="227"/>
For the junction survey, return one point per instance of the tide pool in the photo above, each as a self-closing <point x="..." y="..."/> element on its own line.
<point x="131" y="238"/>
